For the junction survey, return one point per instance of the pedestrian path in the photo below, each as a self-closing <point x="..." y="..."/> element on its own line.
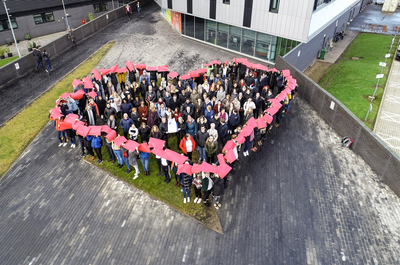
<point x="387" y="124"/>
<point x="302" y="199"/>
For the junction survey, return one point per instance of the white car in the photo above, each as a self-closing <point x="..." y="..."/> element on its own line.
<point x="380" y="2"/>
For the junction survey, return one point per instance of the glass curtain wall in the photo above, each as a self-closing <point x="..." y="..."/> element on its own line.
<point x="235" y="36"/>
<point x="256" y="44"/>
<point x="189" y="20"/>
<point x="211" y="31"/>
<point x="223" y="31"/>
<point x="248" y="41"/>
<point x="199" y="28"/>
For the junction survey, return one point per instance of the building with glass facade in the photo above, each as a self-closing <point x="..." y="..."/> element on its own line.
<point x="263" y="29"/>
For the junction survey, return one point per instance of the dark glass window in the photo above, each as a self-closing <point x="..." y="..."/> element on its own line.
<point x="4" y="24"/>
<point x="222" y="39"/>
<point x="43" y="17"/>
<point x="100" y="7"/>
<point x="226" y="2"/>
<point x="189" y="26"/>
<point x="235" y="35"/>
<point x="211" y="27"/>
<point x="123" y="3"/>
<point x="274" y="6"/>
<point x="199" y="25"/>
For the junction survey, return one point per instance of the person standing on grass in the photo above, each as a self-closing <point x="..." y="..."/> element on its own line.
<point x="207" y="185"/>
<point x="38" y="57"/>
<point x="46" y="57"/>
<point x="132" y="157"/>
<point x="187" y="145"/>
<point x="197" y="183"/>
<point x="145" y="158"/>
<point x="96" y="145"/>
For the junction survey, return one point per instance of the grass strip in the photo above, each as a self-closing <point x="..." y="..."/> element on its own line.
<point x="156" y="187"/>
<point x="353" y="81"/>
<point x="7" y="60"/>
<point x="17" y="133"/>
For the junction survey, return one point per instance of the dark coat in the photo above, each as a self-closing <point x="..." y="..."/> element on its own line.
<point x="218" y="187"/>
<point x="153" y="118"/>
<point x="223" y="131"/>
<point x="126" y="124"/>
<point x="201" y="138"/>
<point x="126" y="108"/>
<point x="234" y="120"/>
<point x="144" y="134"/>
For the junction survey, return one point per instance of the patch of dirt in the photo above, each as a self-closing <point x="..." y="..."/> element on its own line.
<point x="356" y="58"/>
<point x="317" y="70"/>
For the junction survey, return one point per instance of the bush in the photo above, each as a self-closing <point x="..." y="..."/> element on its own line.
<point x="91" y="16"/>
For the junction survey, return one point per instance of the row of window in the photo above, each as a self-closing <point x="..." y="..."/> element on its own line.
<point x="256" y="44"/>
<point x="273" y="6"/>
<point x="38" y="18"/>
<point x="49" y="16"/>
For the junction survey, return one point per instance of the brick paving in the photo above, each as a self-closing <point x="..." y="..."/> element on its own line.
<point x="303" y="199"/>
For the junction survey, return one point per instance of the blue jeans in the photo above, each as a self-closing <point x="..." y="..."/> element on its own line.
<point x="246" y="146"/>
<point x="73" y="140"/>
<point x="145" y="163"/>
<point x="126" y="162"/>
<point x="48" y="64"/>
<point x="39" y="63"/>
<point x="138" y="10"/>
<point x="202" y="152"/>
<point x="186" y="194"/>
<point x="288" y="105"/>
<point x="63" y="134"/>
<point x="119" y="157"/>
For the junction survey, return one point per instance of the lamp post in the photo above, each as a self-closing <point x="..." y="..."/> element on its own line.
<point x="65" y="14"/>
<point x="12" y="30"/>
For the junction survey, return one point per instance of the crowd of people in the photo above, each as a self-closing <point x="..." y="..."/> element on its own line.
<point x="216" y="112"/>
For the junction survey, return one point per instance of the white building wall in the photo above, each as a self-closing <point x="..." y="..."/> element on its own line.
<point x="179" y="6"/>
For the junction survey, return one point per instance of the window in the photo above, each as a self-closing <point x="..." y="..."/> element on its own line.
<point x="226" y="2"/>
<point x="100" y="7"/>
<point x="189" y="26"/>
<point x="248" y="41"/>
<point x="43" y="17"/>
<point x="122" y="3"/>
<point x="235" y="35"/>
<point x="199" y="28"/>
<point x="211" y="31"/>
<point x="4" y="24"/>
<point x="222" y="39"/>
<point x="274" y="6"/>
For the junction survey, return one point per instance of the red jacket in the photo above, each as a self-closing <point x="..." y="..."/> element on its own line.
<point x="182" y="145"/>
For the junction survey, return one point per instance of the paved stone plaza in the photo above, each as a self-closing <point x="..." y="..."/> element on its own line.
<point x="303" y="199"/>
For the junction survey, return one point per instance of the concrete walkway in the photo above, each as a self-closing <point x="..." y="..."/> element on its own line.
<point x="42" y="40"/>
<point x="387" y="124"/>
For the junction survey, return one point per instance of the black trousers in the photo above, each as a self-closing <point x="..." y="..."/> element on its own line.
<point x="159" y="164"/>
<point x="166" y="172"/>
<point x="197" y="192"/>
<point x="98" y="153"/>
<point x="90" y="150"/>
<point x="110" y="152"/>
<point x="206" y="194"/>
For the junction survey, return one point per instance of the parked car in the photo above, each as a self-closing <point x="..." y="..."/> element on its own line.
<point x="380" y="2"/>
<point x="398" y="56"/>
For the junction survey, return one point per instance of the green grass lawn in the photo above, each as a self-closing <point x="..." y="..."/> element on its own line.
<point x="7" y="60"/>
<point x="156" y="187"/>
<point x="352" y="81"/>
